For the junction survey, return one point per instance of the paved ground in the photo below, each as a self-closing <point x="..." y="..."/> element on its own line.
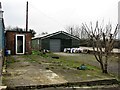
<point x="25" y="73"/>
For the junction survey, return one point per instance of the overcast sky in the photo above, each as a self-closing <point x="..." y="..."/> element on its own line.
<point x="54" y="15"/>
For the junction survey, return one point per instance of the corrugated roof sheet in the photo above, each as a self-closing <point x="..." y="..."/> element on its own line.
<point x="49" y="35"/>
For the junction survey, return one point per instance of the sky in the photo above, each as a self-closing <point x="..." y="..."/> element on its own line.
<point x="54" y="15"/>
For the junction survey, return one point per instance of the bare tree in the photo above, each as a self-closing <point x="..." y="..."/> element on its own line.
<point x="43" y="33"/>
<point x="9" y="28"/>
<point x="83" y="34"/>
<point x="32" y="32"/>
<point x="102" y="42"/>
<point x="76" y="30"/>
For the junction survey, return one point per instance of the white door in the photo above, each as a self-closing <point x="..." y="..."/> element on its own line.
<point x="55" y="45"/>
<point x="20" y="43"/>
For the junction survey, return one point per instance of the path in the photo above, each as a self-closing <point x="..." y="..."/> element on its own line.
<point x="24" y="73"/>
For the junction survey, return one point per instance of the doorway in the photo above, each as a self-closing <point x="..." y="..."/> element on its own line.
<point x="55" y="45"/>
<point x="20" y="44"/>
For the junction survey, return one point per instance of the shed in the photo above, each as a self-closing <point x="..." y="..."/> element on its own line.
<point x="18" y="42"/>
<point x="55" y="42"/>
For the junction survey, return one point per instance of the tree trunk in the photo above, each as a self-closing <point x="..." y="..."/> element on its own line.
<point x="102" y="67"/>
<point x="105" y="68"/>
<point x="106" y="63"/>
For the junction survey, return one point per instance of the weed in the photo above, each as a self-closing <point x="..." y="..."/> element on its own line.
<point x="52" y="67"/>
<point x="47" y="68"/>
<point x="39" y="53"/>
<point x="11" y="60"/>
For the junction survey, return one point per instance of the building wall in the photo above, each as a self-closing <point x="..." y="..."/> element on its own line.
<point x="35" y="44"/>
<point x="28" y="43"/>
<point x="1" y="35"/>
<point x="1" y="47"/>
<point x="66" y="43"/>
<point x="10" y="41"/>
<point x="75" y="43"/>
<point x="45" y="44"/>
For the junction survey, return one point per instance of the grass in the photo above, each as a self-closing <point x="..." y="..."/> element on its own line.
<point x="63" y="62"/>
<point x="65" y="65"/>
<point x="10" y="60"/>
<point x="74" y="61"/>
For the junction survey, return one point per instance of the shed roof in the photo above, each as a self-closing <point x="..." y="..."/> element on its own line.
<point x="18" y="31"/>
<point x="56" y="33"/>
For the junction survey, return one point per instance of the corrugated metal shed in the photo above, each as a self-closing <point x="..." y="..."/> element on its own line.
<point x="55" y="42"/>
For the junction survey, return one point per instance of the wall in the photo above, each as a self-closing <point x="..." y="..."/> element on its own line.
<point x="1" y="35"/>
<point x="28" y="43"/>
<point x="75" y="43"/>
<point x="10" y="44"/>
<point x="36" y="44"/>
<point x="45" y="44"/>
<point x="66" y="43"/>
<point x="1" y="47"/>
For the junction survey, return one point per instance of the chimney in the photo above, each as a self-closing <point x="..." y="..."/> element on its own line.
<point x="1" y="12"/>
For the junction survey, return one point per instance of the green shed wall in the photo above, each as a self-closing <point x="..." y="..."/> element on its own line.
<point x="75" y="43"/>
<point x="36" y="44"/>
<point x="45" y="44"/>
<point x="66" y="43"/>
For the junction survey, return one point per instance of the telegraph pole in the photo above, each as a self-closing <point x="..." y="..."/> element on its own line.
<point x="27" y="16"/>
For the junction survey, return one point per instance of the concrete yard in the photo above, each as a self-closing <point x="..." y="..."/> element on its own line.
<point x="27" y="70"/>
<point x="25" y="73"/>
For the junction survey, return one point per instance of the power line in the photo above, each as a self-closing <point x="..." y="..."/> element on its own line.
<point x="40" y="12"/>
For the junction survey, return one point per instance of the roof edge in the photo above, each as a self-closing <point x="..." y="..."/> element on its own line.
<point x="49" y="35"/>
